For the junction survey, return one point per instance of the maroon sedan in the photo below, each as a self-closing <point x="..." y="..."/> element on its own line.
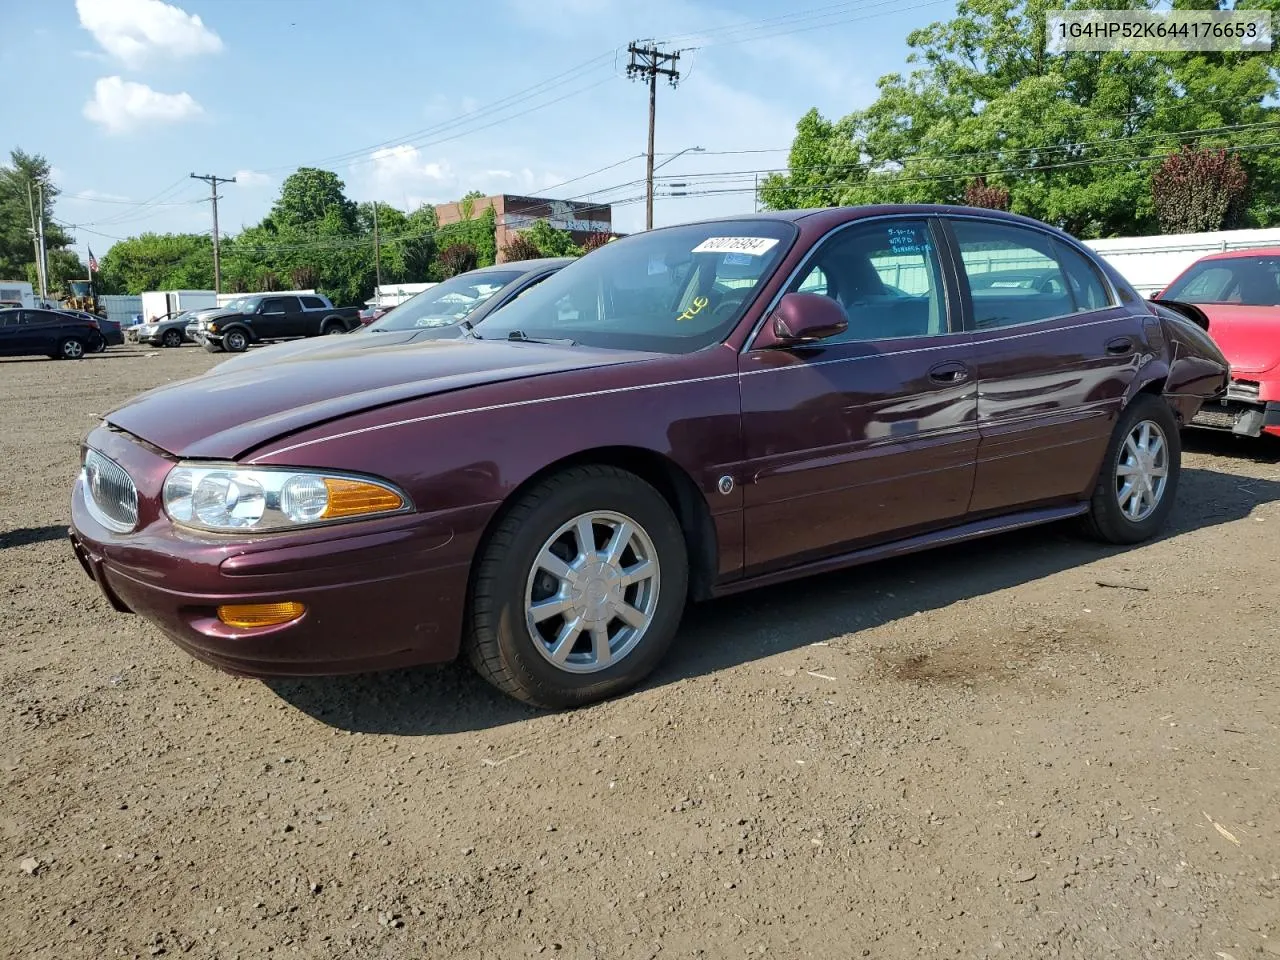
<point x="683" y="413"/>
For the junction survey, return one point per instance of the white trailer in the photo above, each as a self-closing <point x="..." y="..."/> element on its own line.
<point x="158" y="303"/>
<point x="17" y="291"/>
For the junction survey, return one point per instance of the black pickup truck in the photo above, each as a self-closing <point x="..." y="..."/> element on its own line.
<point x="264" y="317"/>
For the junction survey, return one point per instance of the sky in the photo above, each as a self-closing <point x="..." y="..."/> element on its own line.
<point x="413" y="101"/>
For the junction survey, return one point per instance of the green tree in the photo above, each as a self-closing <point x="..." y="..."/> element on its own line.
<point x="310" y="197"/>
<point x="1074" y="138"/>
<point x="478" y="233"/>
<point x="551" y="242"/>
<point x="17" y="249"/>
<point x="457" y="258"/>
<point x="154" y="261"/>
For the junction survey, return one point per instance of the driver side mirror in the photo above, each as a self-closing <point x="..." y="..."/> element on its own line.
<point x="802" y="318"/>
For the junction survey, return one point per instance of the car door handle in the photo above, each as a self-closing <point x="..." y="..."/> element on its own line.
<point x="950" y="372"/>
<point x="1120" y="345"/>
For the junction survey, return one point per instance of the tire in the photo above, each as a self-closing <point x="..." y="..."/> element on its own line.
<point x="516" y="657"/>
<point x="331" y="327"/>
<point x="171" y="338"/>
<point x="101" y="347"/>
<point x="235" y="341"/>
<point x="1106" y="520"/>
<point x="72" y="348"/>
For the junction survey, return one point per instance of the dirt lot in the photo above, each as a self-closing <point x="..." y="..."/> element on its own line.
<point x="1027" y="747"/>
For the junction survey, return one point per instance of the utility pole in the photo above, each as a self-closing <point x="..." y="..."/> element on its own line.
<point x="213" y="182"/>
<point x="648" y="62"/>
<point x="37" y="238"/>
<point x="377" y="252"/>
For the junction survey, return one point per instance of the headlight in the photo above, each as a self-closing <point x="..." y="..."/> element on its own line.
<point x="213" y="328"/>
<point x="228" y="498"/>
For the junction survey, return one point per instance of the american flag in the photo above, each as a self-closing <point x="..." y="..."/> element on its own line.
<point x="93" y="262"/>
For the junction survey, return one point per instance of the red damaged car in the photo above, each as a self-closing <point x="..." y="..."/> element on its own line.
<point x="684" y="413"/>
<point x="1239" y="294"/>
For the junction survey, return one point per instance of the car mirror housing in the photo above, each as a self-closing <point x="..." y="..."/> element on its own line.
<point x="802" y="318"/>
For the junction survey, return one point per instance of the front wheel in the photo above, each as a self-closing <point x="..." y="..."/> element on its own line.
<point x="172" y="338"/>
<point x="1139" y="476"/>
<point x="579" y="591"/>
<point x="71" y="349"/>
<point x="235" y="342"/>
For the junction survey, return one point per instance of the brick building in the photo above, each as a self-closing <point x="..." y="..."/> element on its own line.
<point x="516" y="213"/>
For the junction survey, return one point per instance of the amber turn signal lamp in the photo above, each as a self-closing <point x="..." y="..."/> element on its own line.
<point x="249" y="615"/>
<point x="351" y="498"/>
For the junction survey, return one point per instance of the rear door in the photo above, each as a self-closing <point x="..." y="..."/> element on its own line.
<point x="1055" y="355"/>
<point x="870" y="435"/>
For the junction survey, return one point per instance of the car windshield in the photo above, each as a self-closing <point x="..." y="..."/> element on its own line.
<point x="1251" y="281"/>
<point x="240" y="305"/>
<point x="446" y="303"/>
<point x="673" y="290"/>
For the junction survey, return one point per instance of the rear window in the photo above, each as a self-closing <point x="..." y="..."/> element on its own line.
<point x="312" y="303"/>
<point x="1251" y="281"/>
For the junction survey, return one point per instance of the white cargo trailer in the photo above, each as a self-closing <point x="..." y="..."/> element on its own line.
<point x="158" y="303"/>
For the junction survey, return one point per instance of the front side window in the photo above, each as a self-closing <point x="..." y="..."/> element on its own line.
<point x="673" y="290"/>
<point x="1251" y="281"/>
<point x="886" y="276"/>
<point x="1015" y="275"/>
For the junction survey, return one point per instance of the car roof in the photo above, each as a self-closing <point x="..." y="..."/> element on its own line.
<point x="1240" y="254"/>
<point x="837" y="214"/>
<point x="528" y="266"/>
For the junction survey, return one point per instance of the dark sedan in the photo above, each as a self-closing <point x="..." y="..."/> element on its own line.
<point x="446" y="311"/>
<point x="48" y="333"/>
<point x="684" y="413"/>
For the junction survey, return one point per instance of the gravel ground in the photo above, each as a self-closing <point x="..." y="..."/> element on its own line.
<point x="1026" y="747"/>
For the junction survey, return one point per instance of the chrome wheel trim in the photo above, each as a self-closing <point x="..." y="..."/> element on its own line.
<point x="73" y="349"/>
<point x="592" y="592"/>
<point x="1142" y="471"/>
<point x="236" y="341"/>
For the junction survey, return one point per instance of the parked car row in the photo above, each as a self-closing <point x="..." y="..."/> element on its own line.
<point x="539" y="472"/>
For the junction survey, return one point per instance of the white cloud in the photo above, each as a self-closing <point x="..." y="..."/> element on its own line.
<point x="121" y="106"/>
<point x="133" y="31"/>
<point x="252" y="178"/>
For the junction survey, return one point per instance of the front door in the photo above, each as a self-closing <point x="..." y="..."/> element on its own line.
<point x="1055" y="357"/>
<point x="273" y="319"/>
<point x="872" y="434"/>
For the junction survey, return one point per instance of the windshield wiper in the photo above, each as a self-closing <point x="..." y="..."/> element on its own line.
<point x="521" y="337"/>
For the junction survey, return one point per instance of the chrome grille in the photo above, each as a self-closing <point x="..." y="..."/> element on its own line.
<point x="110" y="493"/>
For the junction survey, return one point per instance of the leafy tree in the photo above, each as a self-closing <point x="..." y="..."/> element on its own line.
<point x="520" y="247"/>
<point x="478" y="233"/>
<point x="1200" y="190"/>
<point x="551" y="242"/>
<point x="64" y="267"/>
<point x="152" y="261"/>
<point x="978" y="194"/>
<point x="17" y="249"/>
<point x="595" y="241"/>
<point x="269" y="280"/>
<point x="309" y="197"/>
<point x="1075" y="138"/>
<point x="304" y="277"/>
<point x="457" y="258"/>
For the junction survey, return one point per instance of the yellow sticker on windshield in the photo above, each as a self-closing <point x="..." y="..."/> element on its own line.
<point x="694" y="309"/>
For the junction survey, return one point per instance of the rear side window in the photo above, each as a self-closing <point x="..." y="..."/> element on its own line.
<point x="1014" y="275"/>
<point x="1086" y="286"/>
<point x="312" y="303"/>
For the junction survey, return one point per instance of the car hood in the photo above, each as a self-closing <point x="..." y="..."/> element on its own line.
<point x="1249" y="337"/>
<point x="223" y="414"/>
<point x="317" y="348"/>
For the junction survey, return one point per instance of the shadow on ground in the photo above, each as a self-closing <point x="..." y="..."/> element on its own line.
<point x="26" y="535"/>
<point x="725" y="633"/>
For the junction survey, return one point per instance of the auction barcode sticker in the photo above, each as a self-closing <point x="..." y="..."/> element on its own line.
<point x="1158" y="30"/>
<point x="756" y="246"/>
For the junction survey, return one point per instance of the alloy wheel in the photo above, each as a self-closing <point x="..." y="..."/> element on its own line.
<point x="1142" y="471"/>
<point x="592" y="592"/>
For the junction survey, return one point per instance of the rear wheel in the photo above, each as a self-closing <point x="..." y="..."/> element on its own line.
<point x="580" y="589"/>
<point x="172" y="338"/>
<point x="1139" y="476"/>
<point x="332" y="327"/>
<point x="71" y="349"/>
<point x="235" y="341"/>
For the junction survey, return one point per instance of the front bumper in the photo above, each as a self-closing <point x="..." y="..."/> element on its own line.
<point x="378" y="593"/>
<point x="1240" y="412"/>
